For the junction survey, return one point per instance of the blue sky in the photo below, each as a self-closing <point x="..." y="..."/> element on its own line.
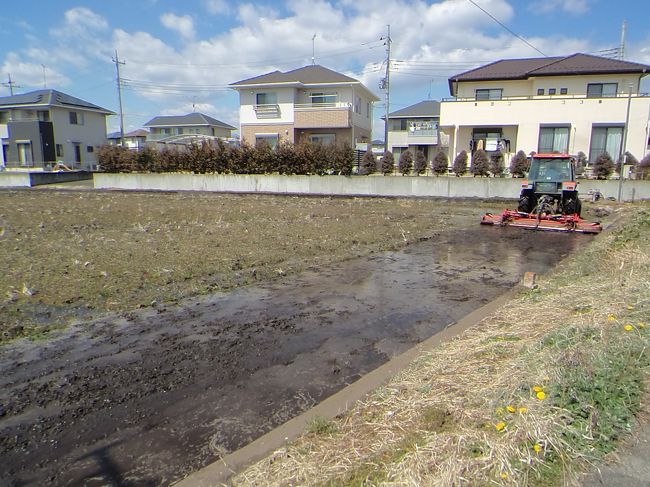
<point x="181" y="56"/>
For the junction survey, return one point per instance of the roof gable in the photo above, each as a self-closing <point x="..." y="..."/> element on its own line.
<point x="573" y="65"/>
<point x="306" y="75"/>
<point x="48" y="98"/>
<point x="427" y="108"/>
<point x="194" y="118"/>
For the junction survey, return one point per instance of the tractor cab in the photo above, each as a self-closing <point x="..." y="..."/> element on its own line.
<point x="551" y="186"/>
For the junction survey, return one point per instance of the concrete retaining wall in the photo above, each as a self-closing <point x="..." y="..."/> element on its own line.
<point x="11" y="179"/>
<point x="422" y="186"/>
<point x="14" y="180"/>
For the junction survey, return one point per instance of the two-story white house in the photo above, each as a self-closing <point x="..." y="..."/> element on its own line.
<point x="312" y="103"/>
<point x="555" y="104"/>
<point x="44" y="126"/>
<point x="415" y="128"/>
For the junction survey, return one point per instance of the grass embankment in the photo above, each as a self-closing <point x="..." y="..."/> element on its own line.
<point x="529" y="396"/>
<point x="68" y="254"/>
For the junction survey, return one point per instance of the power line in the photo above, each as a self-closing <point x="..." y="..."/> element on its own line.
<point x="505" y="27"/>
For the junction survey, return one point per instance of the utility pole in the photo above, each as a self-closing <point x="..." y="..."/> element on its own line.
<point x="44" y="78"/>
<point x="621" y="51"/>
<point x="11" y="84"/>
<point x="117" y="62"/>
<point x="385" y="85"/>
<point x="623" y="152"/>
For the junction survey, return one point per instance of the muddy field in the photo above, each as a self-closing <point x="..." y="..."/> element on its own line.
<point x="148" y="395"/>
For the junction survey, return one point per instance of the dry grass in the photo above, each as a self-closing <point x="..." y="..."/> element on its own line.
<point x="446" y="420"/>
<point x="66" y="253"/>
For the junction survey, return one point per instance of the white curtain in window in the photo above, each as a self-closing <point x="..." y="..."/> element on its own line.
<point x="561" y="141"/>
<point x="614" y="139"/>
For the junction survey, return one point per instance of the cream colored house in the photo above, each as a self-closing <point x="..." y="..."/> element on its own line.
<point x="312" y="103"/>
<point x="556" y="104"/>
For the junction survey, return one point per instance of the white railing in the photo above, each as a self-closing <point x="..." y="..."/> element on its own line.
<point x="322" y="106"/>
<point x="547" y="97"/>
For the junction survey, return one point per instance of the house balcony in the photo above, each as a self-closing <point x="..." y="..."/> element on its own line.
<point x="322" y="115"/>
<point x="267" y="110"/>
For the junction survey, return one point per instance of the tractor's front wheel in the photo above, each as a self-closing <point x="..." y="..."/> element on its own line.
<point x="526" y="203"/>
<point x="571" y="205"/>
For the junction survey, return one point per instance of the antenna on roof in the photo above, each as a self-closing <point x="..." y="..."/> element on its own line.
<point x="11" y="84"/>
<point x="621" y="52"/>
<point x="313" y="50"/>
<point x="194" y="103"/>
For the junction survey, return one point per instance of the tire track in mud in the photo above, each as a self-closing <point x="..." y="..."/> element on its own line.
<point x="147" y="397"/>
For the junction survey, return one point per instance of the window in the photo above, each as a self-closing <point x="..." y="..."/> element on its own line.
<point x="357" y="104"/>
<point x="76" y="118"/>
<point x="489" y="94"/>
<point x="324" y="98"/>
<point x="266" y="99"/>
<point x="540" y="91"/>
<point x="486" y="139"/>
<point x="25" y="153"/>
<point x="564" y="91"/>
<point x="601" y="90"/>
<point x="325" y="139"/>
<point x="553" y="139"/>
<point x="59" y="150"/>
<point x="606" y="139"/>
<point x="270" y="139"/>
<point x="552" y="91"/>
<point x="90" y="148"/>
<point x="398" y="124"/>
<point x="44" y="115"/>
<point x="4" y="117"/>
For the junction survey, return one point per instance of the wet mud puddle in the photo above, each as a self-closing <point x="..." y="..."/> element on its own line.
<point x="149" y="397"/>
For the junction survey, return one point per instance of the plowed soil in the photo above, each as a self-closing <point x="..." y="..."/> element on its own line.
<point x="144" y="396"/>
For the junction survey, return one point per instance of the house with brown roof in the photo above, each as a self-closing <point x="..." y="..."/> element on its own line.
<point x="311" y="103"/>
<point x="554" y="104"/>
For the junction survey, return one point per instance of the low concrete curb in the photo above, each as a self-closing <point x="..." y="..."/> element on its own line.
<point x="218" y="472"/>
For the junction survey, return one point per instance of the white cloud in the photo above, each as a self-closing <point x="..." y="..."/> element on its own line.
<point x="569" y="6"/>
<point x="32" y="75"/>
<point x="216" y="7"/>
<point x="183" y="24"/>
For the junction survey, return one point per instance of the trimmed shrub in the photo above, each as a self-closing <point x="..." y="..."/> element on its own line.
<point x="420" y="163"/>
<point x="405" y="164"/>
<point x="643" y="168"/>
<point x="581" y="162"/>
<point x="497" y="164"/>
<point x="519" y="164"/>
<point x="387" y="163"/>
<point x="460" y="163"/>
<point x="603" y="166"/>
<point x="441" y="163"/>
<point x="480" y="164"/>
<point x="629" y="161"/>
<point x="368" y="163"/>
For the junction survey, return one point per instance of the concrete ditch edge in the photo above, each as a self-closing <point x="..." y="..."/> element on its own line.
<point x="219" y="472"/>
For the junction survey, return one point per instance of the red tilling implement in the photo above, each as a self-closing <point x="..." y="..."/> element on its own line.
<point x="551" y="223"/>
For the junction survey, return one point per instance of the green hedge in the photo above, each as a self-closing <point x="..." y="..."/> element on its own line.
<point x="220" y="158"/>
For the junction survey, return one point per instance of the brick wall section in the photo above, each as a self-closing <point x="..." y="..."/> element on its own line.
<point x="248" y="132"/>
<point x="322" y="119"/>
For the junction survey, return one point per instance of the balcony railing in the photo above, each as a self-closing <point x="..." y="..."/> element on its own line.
<point x="322" y="106"/>
<point x="547" y="97"/>
<point x="267" y="110"/>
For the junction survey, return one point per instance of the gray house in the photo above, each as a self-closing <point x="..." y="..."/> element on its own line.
<point x="44" y="126"/>
<point x="183" y="129"/>
<point x="416" y="128"/>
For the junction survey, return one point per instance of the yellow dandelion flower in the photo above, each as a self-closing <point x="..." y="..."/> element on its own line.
<point x="511" y="409"/>
<point x="500" y="426"/>
<point x="611" y="317"/>
<point x="640" y="325"/>
<point x="504" y="475"/>
<point x="537" y="389"/>
<point x="628" y="327"/>
<point x="523" y="410"/>
<point x="630" y="307"/>
<point x="541" y="395"/>
<point x="537" y="447"/>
